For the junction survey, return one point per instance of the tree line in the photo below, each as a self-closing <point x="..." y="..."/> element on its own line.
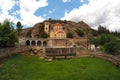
<point x="104" y="30"/>
<point x="108" y="41"/>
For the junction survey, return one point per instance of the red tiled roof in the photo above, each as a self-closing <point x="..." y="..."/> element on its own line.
<point x="60" y="31"/>
<point x="57" y="24"/>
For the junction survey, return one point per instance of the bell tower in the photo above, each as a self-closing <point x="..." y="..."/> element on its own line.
<point x="47" y="27"/>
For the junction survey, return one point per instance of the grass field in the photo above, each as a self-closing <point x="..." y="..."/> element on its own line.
<point x="33" y="68"/>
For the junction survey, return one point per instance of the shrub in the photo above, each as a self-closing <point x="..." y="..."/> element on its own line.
<point x="69" y="35"/>
<point x="109" y="43"/>
<point x="79" y="32"/>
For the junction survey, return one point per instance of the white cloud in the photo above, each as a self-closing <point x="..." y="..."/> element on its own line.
<point x="26" y="12"/>
<point x="5" y="6"/>
<point x="44" y="15"/>
<point x="104" y="12"/>
<point x="65" y="1"/>
<point x="32" y="5"/>
<point x="82" y="1"/>
<point x="50" y="12"/>
<point x="28" y="8"/>
<point x="16" y="12"/>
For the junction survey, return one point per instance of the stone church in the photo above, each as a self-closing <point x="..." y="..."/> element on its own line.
<point x="57" y="35"/>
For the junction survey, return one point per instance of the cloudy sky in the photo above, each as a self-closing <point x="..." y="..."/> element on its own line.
<point x="93" y="12"/>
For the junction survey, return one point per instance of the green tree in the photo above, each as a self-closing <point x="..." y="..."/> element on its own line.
<point x="69" y="35"/>
<point x="92" y="40"/>
<point x="102" y="29"/>
<point x="79" y="32"/>
<point x="109" y="43"/>
<point x="103" y="38"/>
<point x="19" y="27"/>
<point x="94" y="32"/>
<point x="111" y="47"/>
<point x="8" y="36"/>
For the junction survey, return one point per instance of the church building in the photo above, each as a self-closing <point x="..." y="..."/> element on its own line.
<point x="57" y="31"/>
<point x="57" y="35"/>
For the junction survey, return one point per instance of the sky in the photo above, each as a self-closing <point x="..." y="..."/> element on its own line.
<point x="93" y="12"/>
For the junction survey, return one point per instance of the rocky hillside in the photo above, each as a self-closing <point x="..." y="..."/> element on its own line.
<point x="69" y="26"/>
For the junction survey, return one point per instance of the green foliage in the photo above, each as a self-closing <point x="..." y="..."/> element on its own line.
<point x="102" y="30"/>
<point x="109" y="42"/>
<point x="79" y="32"/>
<point x="8" y="36"/>
<point x="92" y="41"/>
<point x="104" y="38"/>
<point x="119" y="46"/>
<point x="94" y="32"/>
<point x="19" y="27"/>
<point x="69" y="35"/>
<point x="102" y="48"/>
<point x="44" y="35"/>
<point x="33" y="68"/>
<point x="116" y="33"/>
<point x="111" y="47"/>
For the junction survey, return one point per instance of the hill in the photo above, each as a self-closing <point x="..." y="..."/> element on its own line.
<point x="69" y="26"/>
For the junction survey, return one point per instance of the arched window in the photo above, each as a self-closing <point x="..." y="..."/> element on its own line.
<point x="33" y="43"/>
<point x="39" y="43"/>
<point x="27" y="43"/>
<point x="45" y="43"/>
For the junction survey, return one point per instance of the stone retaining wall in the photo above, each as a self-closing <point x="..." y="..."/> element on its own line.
<point x="110" y="58"/>
<point x="115" y="60"/>
<point x="5" y="52"/>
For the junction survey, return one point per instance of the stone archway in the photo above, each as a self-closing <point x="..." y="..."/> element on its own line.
<point x="39" y="43"/>
<point x="33" y="43"/>
<point x="44" y="43"/>
<point x="27" y="43"/>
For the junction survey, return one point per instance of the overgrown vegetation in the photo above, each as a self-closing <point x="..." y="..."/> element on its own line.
<point x="79" y="32"/>
<point x="33" y="68"/>
<point x="69" y="35"/>
<point x="107" y="42"/>
<point x="8" y="35"/>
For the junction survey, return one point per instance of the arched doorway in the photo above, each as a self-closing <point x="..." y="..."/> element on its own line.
<point x="27" y="43"/>
<point x="33" y="43"/>
<point x="39" y="43"/>
<point x="44" y="43"/>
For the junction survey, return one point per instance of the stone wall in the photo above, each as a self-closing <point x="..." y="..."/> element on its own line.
<point x="115" y="60"/>
<point x="52" y="52"/>
<point x="5" y="52"/>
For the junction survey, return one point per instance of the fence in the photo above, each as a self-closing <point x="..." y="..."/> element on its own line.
<point x="60" y="52"/>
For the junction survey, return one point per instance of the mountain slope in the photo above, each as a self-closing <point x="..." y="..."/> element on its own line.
<point x="69" y="26"/>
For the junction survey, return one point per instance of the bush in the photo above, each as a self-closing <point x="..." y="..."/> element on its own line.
<point x="79" y="32"/>
<point x="111" y="47"/>
<point x="109" y="43"/>
<point x="69" y="35"/>
<point x="102" y="48"/>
